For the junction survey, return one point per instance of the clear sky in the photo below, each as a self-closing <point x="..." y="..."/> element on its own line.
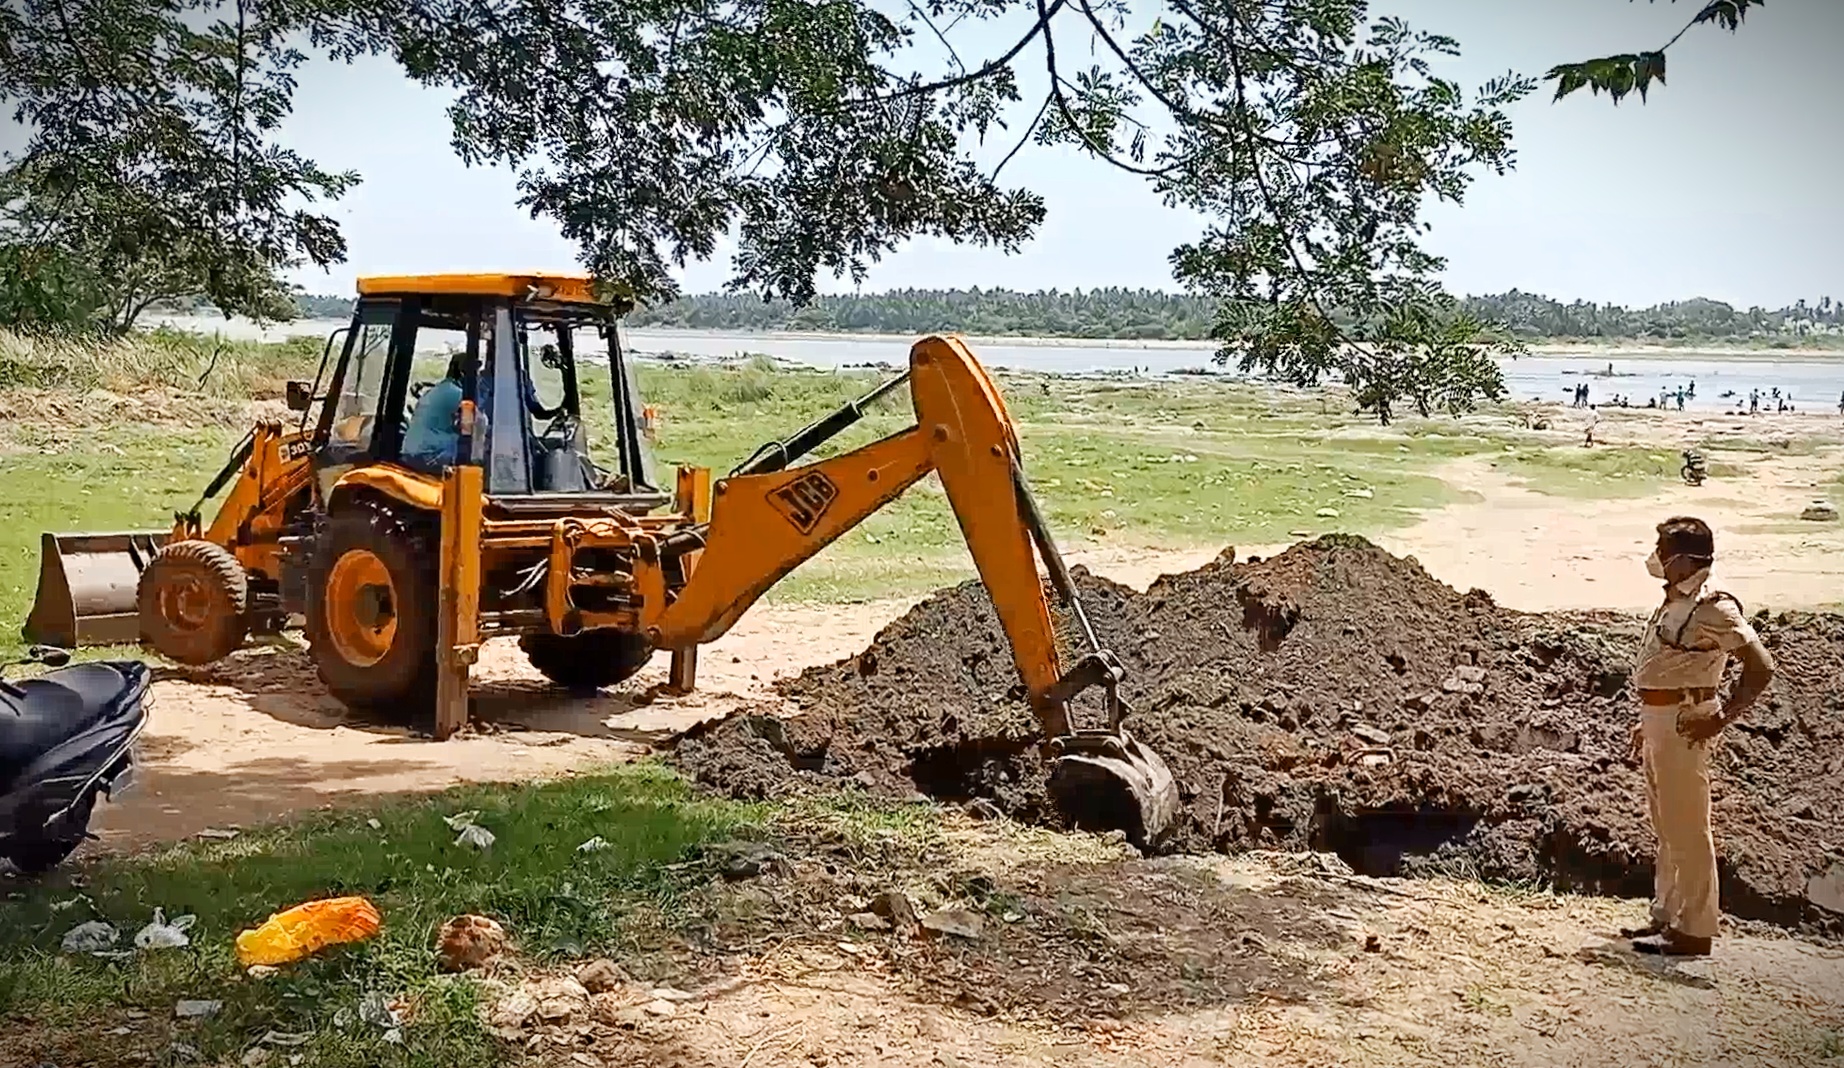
<point x="1728" y="184"/>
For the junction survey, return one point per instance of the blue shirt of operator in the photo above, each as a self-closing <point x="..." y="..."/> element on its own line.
<point x="433" y="436"/>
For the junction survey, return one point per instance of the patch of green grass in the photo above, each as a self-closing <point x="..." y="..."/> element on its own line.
<point x="169" y="359"/>
<point x="114" y="478"/>
<point x="554" y="900"/>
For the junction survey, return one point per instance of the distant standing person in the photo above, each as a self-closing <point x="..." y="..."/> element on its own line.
<point x="1679" y="675"/>
<point x="1841" y="404"/>
<point x="1594" y="420"/>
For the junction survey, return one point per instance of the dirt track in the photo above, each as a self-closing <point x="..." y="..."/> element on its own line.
<point x="1338" y="698"/>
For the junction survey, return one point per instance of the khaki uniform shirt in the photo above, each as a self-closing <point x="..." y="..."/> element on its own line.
<point x="1688" y="641"/>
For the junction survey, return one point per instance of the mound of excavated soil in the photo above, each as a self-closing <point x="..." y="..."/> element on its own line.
<point x="1339" y="698"/>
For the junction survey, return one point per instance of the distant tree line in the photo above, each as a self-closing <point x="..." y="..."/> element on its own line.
<point x="1145" y="314"/>
<point x="1150" y="314"/>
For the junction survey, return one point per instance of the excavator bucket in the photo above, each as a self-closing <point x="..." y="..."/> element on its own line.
<point x="86" y="588"/>
<point x="1104" y="780"/>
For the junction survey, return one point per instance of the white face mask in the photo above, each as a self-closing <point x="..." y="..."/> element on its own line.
<point x="1654" y="566"/>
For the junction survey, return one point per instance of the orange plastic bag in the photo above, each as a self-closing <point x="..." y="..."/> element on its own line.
<point x="307" y="929"/>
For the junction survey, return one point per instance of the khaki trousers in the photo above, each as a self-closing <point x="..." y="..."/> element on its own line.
<point x="1685" y="892"/>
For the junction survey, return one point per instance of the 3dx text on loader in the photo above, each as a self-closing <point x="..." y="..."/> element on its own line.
<point x="399" y="573"/>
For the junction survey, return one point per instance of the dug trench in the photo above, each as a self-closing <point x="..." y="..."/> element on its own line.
<point x="1336" y="698"/>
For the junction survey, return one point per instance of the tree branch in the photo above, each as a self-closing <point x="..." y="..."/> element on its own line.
<point x="1067" y="114"/>
<point x="916" y="9"/>
<point x="1042" y="25"/>
<point x="1026" y="139"/>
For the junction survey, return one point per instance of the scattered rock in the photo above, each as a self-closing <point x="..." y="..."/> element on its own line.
<point x="1373" y="943"/>
<point x="1373" y="735"/>
<point x="1327" y="513"/>
<point x="559" y="998"/>
<point x="196" y="1009"/>
<point x="982" y="809"/>
<point x="601" y="976"/>
<point x="1361" y="494"/>
<point x="894" y="907"/>
<point x="958" y="923"/>
<point x="1465" y="679"/>
<point x="1827" y="889"/>
<point x="661" y="1007"/>
<point x="1820" y="511"/>
<point x="747" y="860"/>
<point x="868" y="921"/>
<point x="667" y="993"/>
<point x="512" y="1011"/>
<point x="468" y="942"/>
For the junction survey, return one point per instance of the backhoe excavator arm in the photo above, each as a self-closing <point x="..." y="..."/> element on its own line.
<point x="765" y="525"/>
<point x="767" y="521"/>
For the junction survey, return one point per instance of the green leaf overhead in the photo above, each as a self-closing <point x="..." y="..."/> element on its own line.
<point x="1620" y="75"/>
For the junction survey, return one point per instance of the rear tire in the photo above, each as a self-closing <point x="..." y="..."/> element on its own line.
<point x="36" y="856"/>
<point x="371" y="609"/>
<point x="191" y="602"/>
<point x="589" y="660"/>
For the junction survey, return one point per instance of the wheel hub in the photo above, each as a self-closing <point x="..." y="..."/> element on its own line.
<point x="361" y="607"/>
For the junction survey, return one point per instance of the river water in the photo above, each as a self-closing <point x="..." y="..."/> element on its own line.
<point x="1813" y="383"/>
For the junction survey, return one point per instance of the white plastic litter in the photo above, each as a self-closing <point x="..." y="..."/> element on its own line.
<point x="475" y="835"/>
<point x="163" y="935"/>
<point x="593" y="845"/>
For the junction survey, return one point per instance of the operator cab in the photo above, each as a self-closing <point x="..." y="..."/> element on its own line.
<point x="421" y="347"/>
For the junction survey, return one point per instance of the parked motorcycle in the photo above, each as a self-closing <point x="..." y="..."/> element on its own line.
<point x="65" y="737"/>
<point x="1693" y="472"/>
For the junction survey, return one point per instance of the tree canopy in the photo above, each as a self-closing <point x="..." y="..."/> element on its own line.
<point x="151" y="169"/>
<point x="812" y="135"/>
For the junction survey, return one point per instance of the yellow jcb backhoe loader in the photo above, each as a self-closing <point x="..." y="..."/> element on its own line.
<point x="400" y="565"/>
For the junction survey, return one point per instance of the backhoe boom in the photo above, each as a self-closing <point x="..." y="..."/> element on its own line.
<point x="769" y="520"/>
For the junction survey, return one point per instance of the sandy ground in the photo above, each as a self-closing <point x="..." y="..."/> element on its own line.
<point x="1539" y="552"/>
<point x="255" y="739"/>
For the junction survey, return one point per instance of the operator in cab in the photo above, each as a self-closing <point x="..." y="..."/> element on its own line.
<point x="434" y="434"/>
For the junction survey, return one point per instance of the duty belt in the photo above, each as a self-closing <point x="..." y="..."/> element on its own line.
<point x="1689" y="694"/>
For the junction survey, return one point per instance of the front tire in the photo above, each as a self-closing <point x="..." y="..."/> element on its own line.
<point x="371" y="609"/>
<point x="589" y="660"/>
<point x="191" y="602"/>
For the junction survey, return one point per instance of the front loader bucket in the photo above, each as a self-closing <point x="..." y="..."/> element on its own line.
<point x="86" y="588"/>
<point x="1103" y="781"/>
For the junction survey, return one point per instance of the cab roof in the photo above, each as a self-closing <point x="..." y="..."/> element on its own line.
<point x="568" y="287"/>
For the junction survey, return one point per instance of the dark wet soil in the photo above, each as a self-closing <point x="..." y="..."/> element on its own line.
<point x="1338" y="698"/>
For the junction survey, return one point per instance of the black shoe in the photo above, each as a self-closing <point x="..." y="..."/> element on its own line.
<point x="1670" y="943"/>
